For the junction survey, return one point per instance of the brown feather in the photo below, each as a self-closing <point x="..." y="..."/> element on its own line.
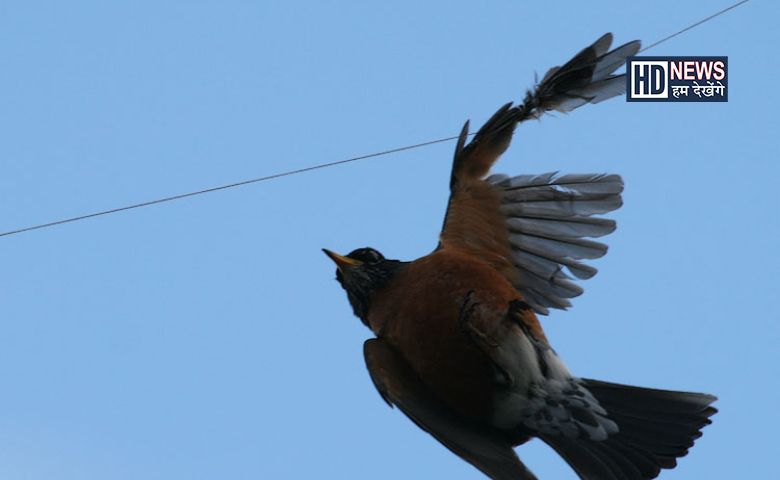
<point x="418" y="313"/>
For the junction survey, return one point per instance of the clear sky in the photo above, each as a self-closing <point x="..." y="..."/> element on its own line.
<point x="207" y="338"/>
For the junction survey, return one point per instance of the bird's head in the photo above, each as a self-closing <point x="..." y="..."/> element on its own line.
<point x="361" y="273"/>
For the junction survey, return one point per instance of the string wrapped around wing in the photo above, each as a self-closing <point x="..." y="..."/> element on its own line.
<point x="535" y="228"/>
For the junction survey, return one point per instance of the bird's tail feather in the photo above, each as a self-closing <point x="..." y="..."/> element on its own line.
<point x="655" y="428"/>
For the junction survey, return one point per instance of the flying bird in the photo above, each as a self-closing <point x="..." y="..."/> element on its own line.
<point x="459" y="348"/>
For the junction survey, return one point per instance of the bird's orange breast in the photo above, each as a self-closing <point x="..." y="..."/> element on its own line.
<point x="418" y="312"/>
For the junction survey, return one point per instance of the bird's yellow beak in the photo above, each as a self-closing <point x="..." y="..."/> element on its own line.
<point x="341" y="261"/>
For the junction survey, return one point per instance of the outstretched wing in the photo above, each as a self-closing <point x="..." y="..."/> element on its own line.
<point x="532" y="227"/>
<point x="485" y="448"/>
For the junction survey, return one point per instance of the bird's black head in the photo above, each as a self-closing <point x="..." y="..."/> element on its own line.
<point x="361" y="273"/>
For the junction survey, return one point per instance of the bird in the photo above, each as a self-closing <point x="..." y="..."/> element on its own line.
<point x="457" y="342"/>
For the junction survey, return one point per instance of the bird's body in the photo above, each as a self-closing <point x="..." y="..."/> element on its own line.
<point x="459" y="347"/>
<point x="432" y="338"/>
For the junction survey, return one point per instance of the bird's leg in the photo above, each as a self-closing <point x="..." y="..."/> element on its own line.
<point x="481" y="339"/>
<point x="464" y="320"/>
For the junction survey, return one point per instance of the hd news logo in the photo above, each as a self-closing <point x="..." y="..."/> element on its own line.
<point x="677" y="79"/>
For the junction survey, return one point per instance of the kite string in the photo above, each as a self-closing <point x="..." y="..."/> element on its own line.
<point x="310" y="168"/>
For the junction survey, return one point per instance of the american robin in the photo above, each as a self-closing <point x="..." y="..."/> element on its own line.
<point x="459" y="348"/>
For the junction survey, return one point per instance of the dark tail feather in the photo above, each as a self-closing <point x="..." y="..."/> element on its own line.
<point x="656" y="428"/>
<point x="586" y="78"/>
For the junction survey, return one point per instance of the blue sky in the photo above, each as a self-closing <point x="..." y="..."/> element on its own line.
<point x="206" y="338"/>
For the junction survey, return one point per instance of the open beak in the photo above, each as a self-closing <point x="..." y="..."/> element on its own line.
<point x="342" y="262"/>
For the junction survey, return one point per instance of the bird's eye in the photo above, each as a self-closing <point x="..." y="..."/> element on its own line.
<point x="372" y="256"/>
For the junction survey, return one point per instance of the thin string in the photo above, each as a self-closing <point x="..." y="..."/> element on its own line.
<point x="703" y="20"/>
<point x="310" y="168"/>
